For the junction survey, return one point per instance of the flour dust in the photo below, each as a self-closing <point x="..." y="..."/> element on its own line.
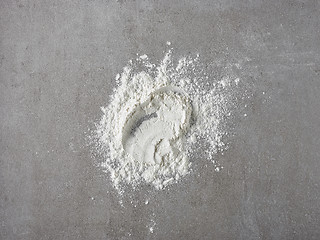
<point x="158" y="115"/>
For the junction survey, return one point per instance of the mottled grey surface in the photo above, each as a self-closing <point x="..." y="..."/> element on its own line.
<point x="58" y="60"/>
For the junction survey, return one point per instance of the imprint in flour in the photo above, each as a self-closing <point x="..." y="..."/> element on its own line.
<point x="154" y="131"/>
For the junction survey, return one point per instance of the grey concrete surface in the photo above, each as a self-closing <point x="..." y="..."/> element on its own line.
<point x="58" y="60"/>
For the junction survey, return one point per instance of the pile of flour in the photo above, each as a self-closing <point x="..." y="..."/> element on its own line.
<point x="157" y="116"/>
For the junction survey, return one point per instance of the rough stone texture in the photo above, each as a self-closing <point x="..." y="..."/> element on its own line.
<point x="58" y="60"/>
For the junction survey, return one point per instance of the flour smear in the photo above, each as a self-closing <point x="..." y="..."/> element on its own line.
<point x="161" y="114"/>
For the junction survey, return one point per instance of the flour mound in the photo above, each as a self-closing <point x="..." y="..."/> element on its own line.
<point x="154" y="118"/>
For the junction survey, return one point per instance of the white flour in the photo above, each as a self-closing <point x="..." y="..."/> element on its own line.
<point x="158" y="116"/>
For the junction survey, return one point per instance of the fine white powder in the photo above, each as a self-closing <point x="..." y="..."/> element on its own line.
<point x="157" y="116"/>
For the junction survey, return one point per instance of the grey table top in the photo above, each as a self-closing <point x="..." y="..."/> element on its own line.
<point x="58" y="60"/>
